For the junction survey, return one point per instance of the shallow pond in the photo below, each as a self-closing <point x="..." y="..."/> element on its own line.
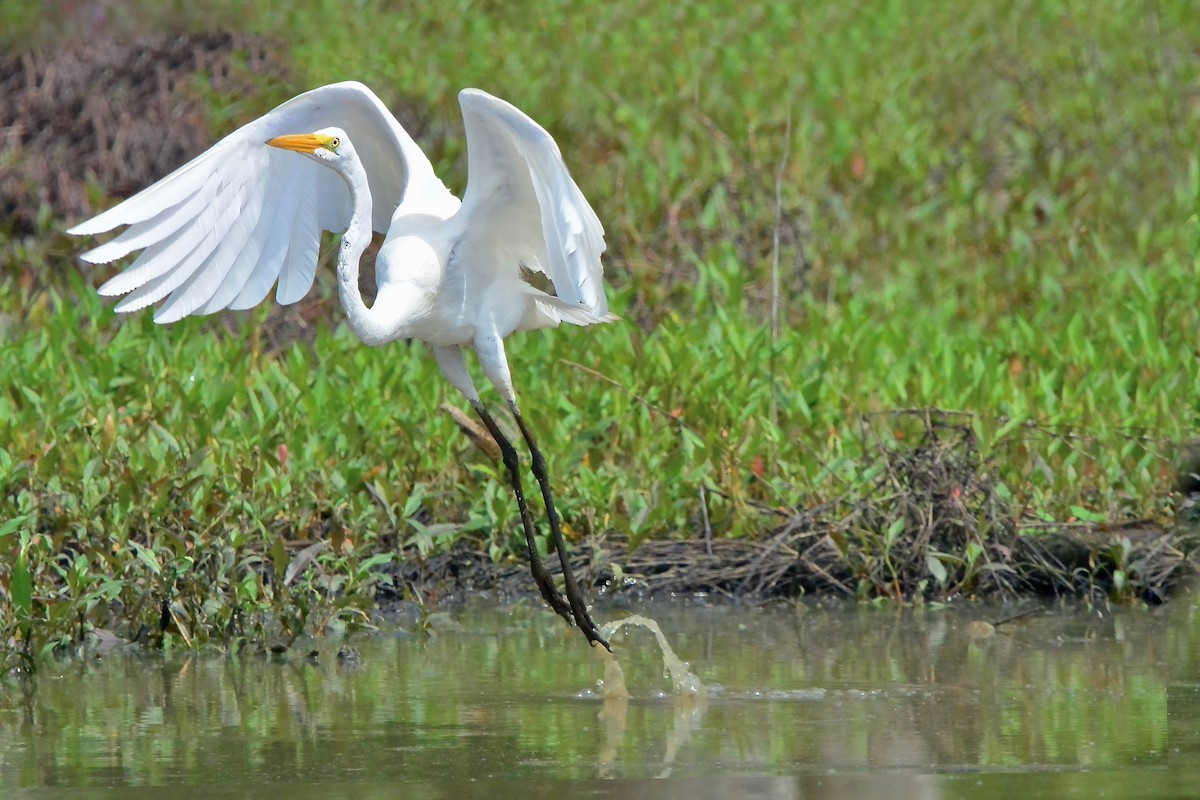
<point x="839" y="701"/>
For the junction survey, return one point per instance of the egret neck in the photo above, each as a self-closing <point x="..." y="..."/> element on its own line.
<point x="368" y="323"/>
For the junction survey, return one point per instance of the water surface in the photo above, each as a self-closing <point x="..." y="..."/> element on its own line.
<point x="836" y="701"/>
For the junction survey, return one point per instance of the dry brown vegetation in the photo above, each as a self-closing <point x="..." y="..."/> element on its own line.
<point x="931" y="522"/>
<point x="60" y="134"/>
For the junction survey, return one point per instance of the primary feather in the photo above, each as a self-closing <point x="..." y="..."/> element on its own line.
<point x="212" y="228"/>
<point x="520" y="192"/>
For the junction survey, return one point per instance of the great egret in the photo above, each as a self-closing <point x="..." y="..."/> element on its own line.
<point x="222" y="229"/>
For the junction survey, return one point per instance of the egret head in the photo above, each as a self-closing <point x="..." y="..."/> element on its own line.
<point x="329" y="145"/>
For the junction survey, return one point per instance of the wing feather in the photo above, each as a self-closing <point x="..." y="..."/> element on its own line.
<point x="521" y="197"/>
<point x="150" y="201"/>
<point x="214" y="232"/>
<point x="259" y="218"/>
<point x="302" y="251"/>
<point x="182" y="278"/>
<point x="212" y="275"/>
<point x="148" y="232"/>
<point x="274" y="251"/>
<point x="163" y="256"/>
<point x="157" y="288"/>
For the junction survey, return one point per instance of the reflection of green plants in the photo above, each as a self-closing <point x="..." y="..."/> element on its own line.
<point x="995" y="703"/>
<point x="990" y="243"/>
<point x="21" y="590"/>
<point x="1119" y="555"/>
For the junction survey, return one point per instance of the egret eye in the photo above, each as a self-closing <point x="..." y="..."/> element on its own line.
<point x="335" y="143"/>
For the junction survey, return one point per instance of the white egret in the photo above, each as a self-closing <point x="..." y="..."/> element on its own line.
<point x="221" y="230"/>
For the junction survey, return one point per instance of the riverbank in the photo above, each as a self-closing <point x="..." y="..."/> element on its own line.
<point x="929" y="349"/>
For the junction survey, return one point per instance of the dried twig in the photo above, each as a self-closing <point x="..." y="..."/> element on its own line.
<point x="480" y="436"/>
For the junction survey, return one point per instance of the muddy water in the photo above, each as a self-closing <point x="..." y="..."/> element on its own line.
<point x="842" y="701"/>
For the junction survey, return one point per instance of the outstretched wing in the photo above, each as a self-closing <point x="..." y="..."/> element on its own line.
<point x="220" y="231"/>
<point x="522" y="200"/>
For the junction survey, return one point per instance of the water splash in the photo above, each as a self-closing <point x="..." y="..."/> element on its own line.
<point x="683" y="682"/>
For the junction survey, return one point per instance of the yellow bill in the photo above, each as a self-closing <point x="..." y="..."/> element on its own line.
<point x="301" y="142"/>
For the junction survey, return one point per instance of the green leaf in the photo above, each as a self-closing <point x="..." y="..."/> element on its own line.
<point x="196" y="458"/>
<point x="279" y="556"/>
<point x="1120" y="581"/>
<point x="376" y="560"/>
<point x="411" y="505"/>
<point x="936" y="568"/>
<point x="1084" y="515"/>
<point x="13" y="525"/>
<point x="165" y="436"/>
<point x="147" y="557"/>
<point x="21" y="586"/>
<point x="302" y="560"/>
<point x="1008" y="427"/>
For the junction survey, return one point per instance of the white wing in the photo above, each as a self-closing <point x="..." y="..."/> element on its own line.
<point x="220" y="230"/>
<point x="521" y="197"/>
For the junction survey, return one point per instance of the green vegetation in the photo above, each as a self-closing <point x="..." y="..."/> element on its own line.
<point x="979" y="207"/>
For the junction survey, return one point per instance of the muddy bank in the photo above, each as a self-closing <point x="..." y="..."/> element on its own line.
<point x="1074" y="561"/>
<point x="936" y="522"/>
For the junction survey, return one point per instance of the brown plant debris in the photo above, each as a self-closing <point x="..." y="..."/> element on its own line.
<point x="121" y="115"/>
<point x="952" y="533"/>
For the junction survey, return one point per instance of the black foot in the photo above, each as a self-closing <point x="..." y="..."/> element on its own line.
<point x="584" y="621"/>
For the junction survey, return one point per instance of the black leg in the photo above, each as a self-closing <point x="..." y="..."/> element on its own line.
<point x="541" y="576"/>
<point x="574" y="596"/>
